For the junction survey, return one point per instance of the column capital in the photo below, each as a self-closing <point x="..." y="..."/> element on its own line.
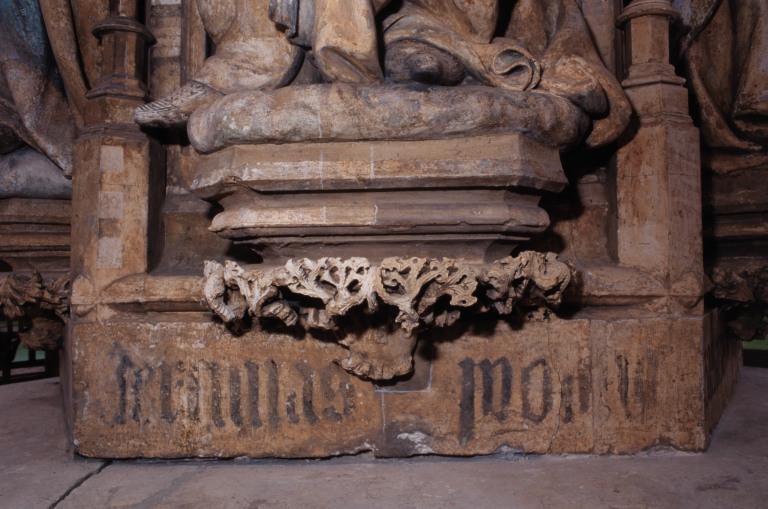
<point x="642" y="8"/>
<point x="647" y="23"/>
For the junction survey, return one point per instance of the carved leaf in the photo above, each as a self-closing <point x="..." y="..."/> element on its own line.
<point x="254" y="287"/>
<point x="12" y="295"/>
<point x="228" y="305"/>
<point x="56" y="297"/>
<point x="400" y="282"/>
<point x="459" y="282"/>
<point x="16" y="290"/>
<point x="536" y="279"/>
<point x="425" y="291"/>
<point x="44" y="334"/>
<point x="339" y="284"/>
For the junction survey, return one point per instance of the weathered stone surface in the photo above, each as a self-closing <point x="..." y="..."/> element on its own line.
<point x="582" y="385"/>
<point x="193" y="389"/>
<point x="506" y="160"/>
<point x="35" y="235"/>
<point x="426" y="214"/>
<point x="658" y="224"/>
<point x="722" y="366"/>
<point x="529" y="389"/>
<point x="555" y="387"/>
<point x="113" y="232"/>
<point x="342" y="112"/>
<point x="446" y="197"/>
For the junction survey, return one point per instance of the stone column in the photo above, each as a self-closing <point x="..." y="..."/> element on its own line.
<point x="658" y="171"/>
<point x="114" y="198"/>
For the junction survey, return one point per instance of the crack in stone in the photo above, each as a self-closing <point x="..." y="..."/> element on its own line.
<point x="79" y="483"/>
<point x="154" y="499"/>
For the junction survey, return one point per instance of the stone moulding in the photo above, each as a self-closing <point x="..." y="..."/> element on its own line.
<point x="425" y="292"/>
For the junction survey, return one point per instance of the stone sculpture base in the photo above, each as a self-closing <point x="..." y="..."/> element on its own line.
<point x="589" y="384"/>
<point x="471" y="197"/>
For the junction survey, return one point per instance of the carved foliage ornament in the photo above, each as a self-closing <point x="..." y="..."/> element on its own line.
<point x="742" y="296"/>
<point x="27" y="295"/>
<point x="18" y="290"/>
<point x="318" y="294"/>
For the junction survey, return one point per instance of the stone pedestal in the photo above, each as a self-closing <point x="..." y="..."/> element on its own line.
<point x="470" y="197"/>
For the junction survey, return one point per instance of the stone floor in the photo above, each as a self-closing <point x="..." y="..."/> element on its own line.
<point x="35" y="471"/>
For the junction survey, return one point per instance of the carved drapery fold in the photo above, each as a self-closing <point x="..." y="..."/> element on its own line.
<point x="361" y="59"/>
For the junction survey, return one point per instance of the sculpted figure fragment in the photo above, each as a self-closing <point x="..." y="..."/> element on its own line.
<point x="724" y="46"/>
<point x="37" y="127"/>
<point x="326" y="70"/>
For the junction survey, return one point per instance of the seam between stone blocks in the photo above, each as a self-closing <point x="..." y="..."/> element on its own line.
<point x="560" y="384"/>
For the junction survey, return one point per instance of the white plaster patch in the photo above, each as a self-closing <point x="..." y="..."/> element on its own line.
<point x="373" y="164"/>
<point x="264" y="218"/>
<point x="111" y="205"/>
<point x="111" y="158"/>
<point x="419" y="440"/>
<point x="109" y="254"/>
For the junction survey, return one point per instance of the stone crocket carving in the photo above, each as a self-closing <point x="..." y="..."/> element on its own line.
<point x="336" y="296"/>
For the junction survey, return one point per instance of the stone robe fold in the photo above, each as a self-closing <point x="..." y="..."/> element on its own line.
<point x="33" y="104"/>
<point x="546" y="45"/>
<point x="725" y="50"/>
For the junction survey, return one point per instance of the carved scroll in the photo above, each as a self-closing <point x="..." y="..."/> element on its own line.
<point x="425" y="292"/>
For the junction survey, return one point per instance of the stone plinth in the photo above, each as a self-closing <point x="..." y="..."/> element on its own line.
<point x="584" y="385"/>
<point x="446" y="194"/>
